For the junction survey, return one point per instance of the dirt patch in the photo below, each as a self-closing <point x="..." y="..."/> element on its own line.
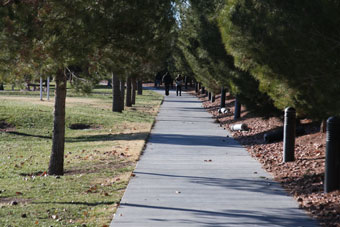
<point x="303" y="178"/>
<point x="79" y="126"/>
<point x="97" y="167"/>
<point x="4" y="126"/>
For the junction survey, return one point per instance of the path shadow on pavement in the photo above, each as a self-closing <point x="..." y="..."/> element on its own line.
<point x="260" y="185"/>
<point x="193" y="140"/>
<point x="179" y="101"/>
<point x="280" y="217"/>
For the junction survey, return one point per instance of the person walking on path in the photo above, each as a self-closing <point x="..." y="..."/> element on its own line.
<point x="179" y="82"/>
<point x="167" y="81"/>
<point x="158" y="79"/>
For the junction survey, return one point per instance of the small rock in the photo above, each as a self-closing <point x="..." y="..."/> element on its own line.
<point x="24" y="215"/>
<point x="13" y="203"/>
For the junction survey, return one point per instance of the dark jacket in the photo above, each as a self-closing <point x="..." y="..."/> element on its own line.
<point x="167" y="78"/>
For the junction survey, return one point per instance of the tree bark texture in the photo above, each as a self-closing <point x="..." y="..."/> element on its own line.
<point x="133" y="91"/>
<point x="196" y="87"/>
<point x="122" y="93"/>
<point x="222" y="97"/>
<point x="140" y="87"/>
<point x="56" y="166"/>
<point x="117" y="96"/>
<point x="323" y="126"/>
<point x="1" y="86"/>
<point x="128" y="92"/>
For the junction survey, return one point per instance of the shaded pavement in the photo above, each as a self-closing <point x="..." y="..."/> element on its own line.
<point x="193" y="174"/>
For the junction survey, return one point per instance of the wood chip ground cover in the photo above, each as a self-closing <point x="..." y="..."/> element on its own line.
<point x="303" y="179"/>
<point x="98" y="161"/>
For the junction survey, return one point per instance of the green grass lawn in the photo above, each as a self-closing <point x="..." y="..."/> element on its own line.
<point x="98" y="160"/>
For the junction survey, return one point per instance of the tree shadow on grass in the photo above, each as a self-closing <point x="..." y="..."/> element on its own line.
<point x="91" y="138"/>
<point x="28" y="135"/>
<point x="79" y="203"/>
<point x="108" y="137"/>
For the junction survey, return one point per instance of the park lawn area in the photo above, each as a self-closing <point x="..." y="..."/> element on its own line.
<point x="98" y="161"/>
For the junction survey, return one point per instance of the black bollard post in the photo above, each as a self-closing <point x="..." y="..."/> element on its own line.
<point x="186" y="83"/>
<point x="213" y="97"/>
<point x="237" y="112"/>
<point x="289" y="135"/>
<point x="222" y="97"/>
<point x="202" y="90"/>
<point x="196" y="87"/>
<point x="332" y="165"/>
<point x="209" y="96"/>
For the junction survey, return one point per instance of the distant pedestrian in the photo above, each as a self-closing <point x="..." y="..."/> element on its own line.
<point x="158" y="79"/>
<point x="179" y="82"/>
<point x="167" y="81"/>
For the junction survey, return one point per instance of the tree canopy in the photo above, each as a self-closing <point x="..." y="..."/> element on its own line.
<point x="290" y="47"/>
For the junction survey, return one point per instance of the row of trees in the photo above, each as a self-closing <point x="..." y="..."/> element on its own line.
<point x="123" y="40"/>
<point x="270" y="53"/>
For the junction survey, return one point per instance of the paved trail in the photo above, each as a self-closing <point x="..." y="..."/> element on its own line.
<point x="192" y="174"/>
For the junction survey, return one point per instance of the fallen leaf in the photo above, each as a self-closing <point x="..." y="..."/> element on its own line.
<point x="18" y="193"/>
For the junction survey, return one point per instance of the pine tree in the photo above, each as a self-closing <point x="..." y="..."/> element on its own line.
<point x="201" y="45"/>
<point x="291" y="48"/>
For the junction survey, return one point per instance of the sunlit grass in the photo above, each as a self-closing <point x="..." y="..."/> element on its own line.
<point x="98" y="160"/>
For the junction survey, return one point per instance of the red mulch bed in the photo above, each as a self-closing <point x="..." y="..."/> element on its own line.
<point x="303" y="178"/>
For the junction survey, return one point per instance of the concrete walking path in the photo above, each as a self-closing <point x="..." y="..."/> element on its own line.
<point x="193" y="174"/>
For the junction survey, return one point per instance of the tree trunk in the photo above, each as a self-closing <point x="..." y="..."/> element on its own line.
<point x="140" y="87"/>
<point x="213" y="97"/>
<point x="116" y="94"/>
<point x="128" y="101"/>
<point x="186" y="82"/>
<point x="122" y="93"/>
<point x="2" y="86"/>
<point x="222" y="97"/>
<point x="196" y="87"/>
<point x="133" y="90"/>
<point x="56" y="166"/>
<point x="323" y="126"/>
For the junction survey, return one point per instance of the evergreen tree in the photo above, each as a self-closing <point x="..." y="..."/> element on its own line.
<point x="291" y="48"/>
<point x="98" y="36"/>
<point x="201" y="45"/>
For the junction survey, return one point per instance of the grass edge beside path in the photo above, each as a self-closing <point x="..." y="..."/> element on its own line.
<point x="99" y="160"/>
